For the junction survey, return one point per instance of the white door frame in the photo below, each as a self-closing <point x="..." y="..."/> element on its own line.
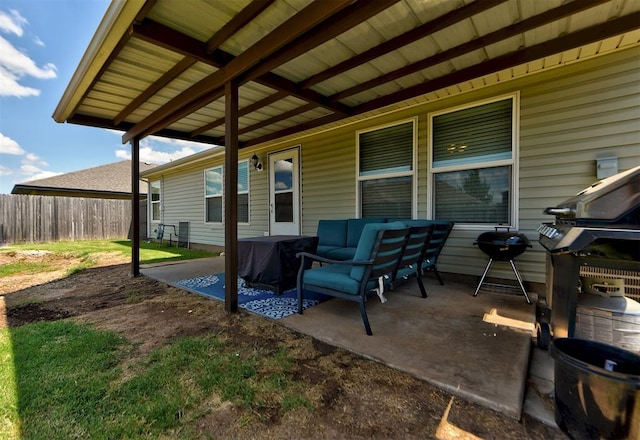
<point x="289" y="184"/>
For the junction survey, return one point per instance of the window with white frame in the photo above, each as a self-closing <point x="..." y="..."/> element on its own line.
<point x="155" y="200"/>
<point x="386" y="171"/>
<point x="473" y="163"/>
<point x="214" y="193"/>
<point x="243" y="192"/>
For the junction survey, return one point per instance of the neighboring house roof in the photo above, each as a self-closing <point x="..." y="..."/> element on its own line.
<point x="162" y="67"/>
<point x="105" y="181"/>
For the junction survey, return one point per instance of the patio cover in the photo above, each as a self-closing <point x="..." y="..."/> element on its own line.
<point x="242" y="73"/>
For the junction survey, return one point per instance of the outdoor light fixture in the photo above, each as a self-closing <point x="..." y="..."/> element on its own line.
<point x="255" y="161"/>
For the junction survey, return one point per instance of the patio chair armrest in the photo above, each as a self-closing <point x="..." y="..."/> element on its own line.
<point x="315" y="257"/>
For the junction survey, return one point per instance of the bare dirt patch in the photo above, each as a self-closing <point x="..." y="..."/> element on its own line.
<point x="353" y="398"/>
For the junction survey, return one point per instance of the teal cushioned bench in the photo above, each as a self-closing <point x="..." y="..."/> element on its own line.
<point x="338" y="238"/>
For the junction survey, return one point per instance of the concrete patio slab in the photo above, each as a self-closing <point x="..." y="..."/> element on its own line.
<point x="441" y="339"/>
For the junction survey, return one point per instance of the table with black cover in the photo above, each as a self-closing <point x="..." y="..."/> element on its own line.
<point x="271" y="261"/>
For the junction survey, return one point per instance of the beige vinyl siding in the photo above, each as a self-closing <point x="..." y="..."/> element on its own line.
<point x="183" y="200"/>
<point x="328" y="178"/>
<point x="258" y="201"/>
<point x="581" y="112"/>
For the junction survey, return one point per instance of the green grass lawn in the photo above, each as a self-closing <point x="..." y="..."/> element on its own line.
<point x="85" y="250"/>
<point x="62" y="380"/>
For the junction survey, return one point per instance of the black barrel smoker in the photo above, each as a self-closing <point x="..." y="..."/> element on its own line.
<point x="595" y="237"/>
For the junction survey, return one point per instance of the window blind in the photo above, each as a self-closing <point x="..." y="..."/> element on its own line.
<point x="473" y="134"/>
<point x="387" y="197"/>
<point x="386" y="150"/>
<point x="474" y="196"/>
<point x="243" y="177"/>
<point x="243" y="208"/>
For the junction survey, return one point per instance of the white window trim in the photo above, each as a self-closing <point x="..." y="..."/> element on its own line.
<point x="248" y="192"/>
<point x="413" y="173"/>
<point x="514" y="162"/>
<point x="204" y="181"/>
<point x="151" y="202"/>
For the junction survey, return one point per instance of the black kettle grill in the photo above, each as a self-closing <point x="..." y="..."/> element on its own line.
<point x="502" y="246"/>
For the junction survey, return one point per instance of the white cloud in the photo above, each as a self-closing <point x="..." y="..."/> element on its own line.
<point x="32" y="168"/>
<point x="37" y="41"/>
<point x="20" y="64"/>
<point x="12" y="22"/>
<point x="4" y="171"/>
<point x="41" y="175"/>
<point x="9" y="146"/>
<point x="16" y="64"/>
<point x="159" y="150"/>
<point x="9" y="86"/>
<point x="31" y="164"/>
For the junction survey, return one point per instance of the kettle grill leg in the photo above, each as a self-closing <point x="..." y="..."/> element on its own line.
<point x="513" y="266"/>
<point x="486" y="269"/>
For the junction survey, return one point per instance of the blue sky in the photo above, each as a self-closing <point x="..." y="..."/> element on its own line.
<point x="41" y="44"/>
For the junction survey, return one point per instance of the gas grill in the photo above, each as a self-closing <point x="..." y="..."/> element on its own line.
<point x="593" y="249"/>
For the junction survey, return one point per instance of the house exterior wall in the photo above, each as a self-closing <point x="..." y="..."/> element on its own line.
<point x="568" y="116"/>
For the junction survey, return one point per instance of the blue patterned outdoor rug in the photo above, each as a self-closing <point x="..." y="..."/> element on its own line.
<point x="260" y="301"/>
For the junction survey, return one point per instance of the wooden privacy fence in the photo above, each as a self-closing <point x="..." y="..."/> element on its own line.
<point x="33" y="218"/>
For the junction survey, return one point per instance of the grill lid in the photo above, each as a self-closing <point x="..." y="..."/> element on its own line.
<point x="612" y="243"/>
<point x="611" y="202"/>
<point x="505" y="245"/>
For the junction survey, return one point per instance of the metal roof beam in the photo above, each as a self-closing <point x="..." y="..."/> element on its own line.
<point x="154" y="88"/>
<point x="348" y="18"/>
<point x="375" y="52"/>
<point x="293" y="130"/>
<point x="298" y="25"/>
<point x="478" y="43"/>
<point x="393" y="44"/>
<point x="243" y="111"/>
<point x="583" y="37"/>
<point x="230" y="28"/>
<point x="280" y="117"/>
<point x="237" y="22"/>
<point x="142" y="13"/>
<point x="435" y="25"/>
<point x="171" y="39"/>
<point x="94" y="121"/>
<point x="579" y="38"/>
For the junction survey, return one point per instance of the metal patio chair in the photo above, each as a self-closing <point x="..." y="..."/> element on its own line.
<point x="378" y="254"/>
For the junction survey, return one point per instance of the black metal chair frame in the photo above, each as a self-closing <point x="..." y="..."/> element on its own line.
<point x="418" y="243"/>
<point x="433" y="250"/>
<point x="386" y="255"/>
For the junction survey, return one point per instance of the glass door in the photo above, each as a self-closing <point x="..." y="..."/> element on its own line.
<point x="284" y="198"/>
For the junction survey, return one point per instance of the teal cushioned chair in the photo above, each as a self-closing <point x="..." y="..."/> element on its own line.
<point x="415" y="249"/>
<point x="378" y="254"/>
